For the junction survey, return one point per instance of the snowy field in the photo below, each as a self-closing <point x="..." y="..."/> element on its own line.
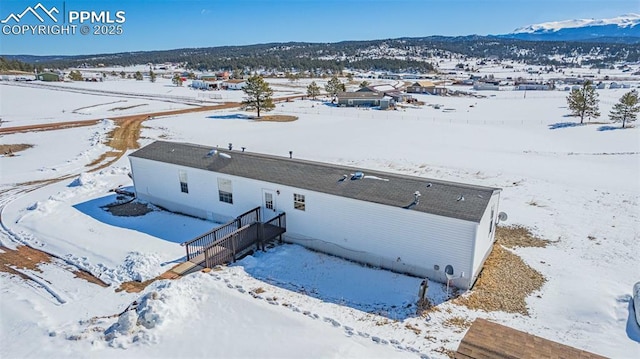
<point x="575" y="185"/>
<point x="22" y="104"/>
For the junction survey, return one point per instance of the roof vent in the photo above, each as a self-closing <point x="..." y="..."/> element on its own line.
<point x="214" y="152"/>
<point x="429" y="185"/>
<point x="416" y="200"/>
<point x="460" y="198"/>
<point x="344" y="177"/>
<point x="356" y="176"/>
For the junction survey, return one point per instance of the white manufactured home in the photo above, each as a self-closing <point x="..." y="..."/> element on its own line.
<point x="425" y="227"/>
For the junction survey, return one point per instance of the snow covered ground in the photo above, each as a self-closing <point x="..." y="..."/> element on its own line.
<point x="577" y="185"/>
<point x="80" y="100"/>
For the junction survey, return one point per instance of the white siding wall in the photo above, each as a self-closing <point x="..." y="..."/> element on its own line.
<point x="158" y="183"/>
<point x="484" y="238"/>
<point x="385" y="236"/>
<point x="389" y="237"/>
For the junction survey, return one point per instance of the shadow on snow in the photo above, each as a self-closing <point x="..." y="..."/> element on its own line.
<point x="335" y="280"/>
<point x="633" y="329"/>
<point x="609" y="128"/>
<point x="235" y="116"/>
<point x="165" y="225"/>
<point x="555" y="126"/>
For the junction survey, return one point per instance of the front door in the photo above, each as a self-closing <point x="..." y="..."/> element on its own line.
<point x="269" y="203"/>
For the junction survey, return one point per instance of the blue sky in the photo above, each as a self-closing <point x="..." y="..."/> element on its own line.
<point x="170" y="24"/>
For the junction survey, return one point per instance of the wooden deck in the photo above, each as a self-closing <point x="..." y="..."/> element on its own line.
<point x="488" y="340"/>
<point x="234" y="239"/>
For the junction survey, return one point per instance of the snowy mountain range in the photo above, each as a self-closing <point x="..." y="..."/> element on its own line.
<point x="623" y="28"/>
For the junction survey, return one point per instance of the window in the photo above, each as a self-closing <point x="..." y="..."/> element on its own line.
<point x="298" y="201"/>
<point x="268" y="200"/>
<point x="184" y="186"/>
<point x="225" y="190"/>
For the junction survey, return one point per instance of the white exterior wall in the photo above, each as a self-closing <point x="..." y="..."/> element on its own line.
<point x="235" y="86"/>
<point x="390" y="237"/>
<point x="484" y="237"/>
<point x="158" y="183"/>
<point x="201" y="84"/>
<point x="384" y="236"/>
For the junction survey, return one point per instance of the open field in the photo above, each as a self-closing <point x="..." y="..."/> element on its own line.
<point x="574" y="186"/>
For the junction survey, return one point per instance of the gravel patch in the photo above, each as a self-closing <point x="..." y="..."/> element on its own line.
<point x="506" y="280"/>
<point x="129" y="209"/>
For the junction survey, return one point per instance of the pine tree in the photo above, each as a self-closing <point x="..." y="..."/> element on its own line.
<point x="364" y="84"/>
<point x="584" y="102"/>
<point x="177" y="80"/>
<point x="626" y="110"/>
<point x="152" y="76"/>
<point x="75" y="75"/>
<point x="138" y="76"/>
<point x="258" y="95"/>
<point x="334" y="86"/>
<point x="313" y="90"/>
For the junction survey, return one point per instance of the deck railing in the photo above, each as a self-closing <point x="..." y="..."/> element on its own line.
<point x="249" y="217"/>
<point x="224" y="243"/>
<point x="225" y="249"/>
<point x="196" y="246"/>
<point x="279" y="221"/>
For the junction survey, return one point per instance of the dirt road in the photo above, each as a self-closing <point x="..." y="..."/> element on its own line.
<point x="122" y="138"/>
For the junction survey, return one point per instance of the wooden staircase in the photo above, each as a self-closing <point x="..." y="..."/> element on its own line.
<point x="232" y="240"/>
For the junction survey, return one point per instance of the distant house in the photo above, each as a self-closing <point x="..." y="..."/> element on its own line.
<point x="360" y="99"/>
<point x="426" y="87"/>
<point x="390" y="76"/>
<point x="222" y="75"/>
<point x="442" y="230"/>
<point x="49" y="77"/>
<point x="205" y="85"/>
<point x="484" y="86"/>
<point x="532" y="87"/>
<point x="208" y="77"/>
<point x="234" y="84"/>
<point x="390" y="91"/>
<point x="614" y="85"/>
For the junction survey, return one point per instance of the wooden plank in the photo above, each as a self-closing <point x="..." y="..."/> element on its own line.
<point x="491" y="340"/>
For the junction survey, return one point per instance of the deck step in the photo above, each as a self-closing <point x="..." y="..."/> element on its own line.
<point x="186" y="268"/>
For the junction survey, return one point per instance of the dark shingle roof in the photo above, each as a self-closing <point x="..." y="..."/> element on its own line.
<point x="440" y="198"/>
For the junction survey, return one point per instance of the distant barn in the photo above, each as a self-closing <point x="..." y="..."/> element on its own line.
<point x="49" y="77"/>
